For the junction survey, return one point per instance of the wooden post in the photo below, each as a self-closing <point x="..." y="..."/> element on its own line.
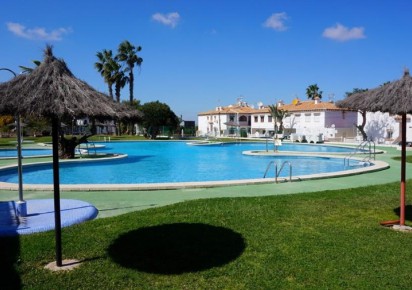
<point x="403" y="171"/>
<point x="56" y="182"/>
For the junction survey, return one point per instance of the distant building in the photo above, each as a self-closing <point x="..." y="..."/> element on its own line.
<point x="233" y="120"/>
<point x="312" y="118"/>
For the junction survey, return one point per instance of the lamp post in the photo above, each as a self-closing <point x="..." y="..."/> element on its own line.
<point x="21" y="204"/>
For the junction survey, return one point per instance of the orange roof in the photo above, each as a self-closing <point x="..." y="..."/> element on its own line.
<point x="300" y="106"/>
<point x="311" y="106"/>
<point x="230" y="110"/>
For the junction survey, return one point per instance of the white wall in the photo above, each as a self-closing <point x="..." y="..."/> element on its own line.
<point x="378" y="125"/>
<point x="209" y="125"/>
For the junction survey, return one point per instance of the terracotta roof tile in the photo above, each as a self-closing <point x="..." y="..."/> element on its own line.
<point x="230" y="110"/>
<point x="301" y="106"/>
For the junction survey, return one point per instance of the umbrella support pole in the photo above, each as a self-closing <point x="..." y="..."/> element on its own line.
<point x="21" y="204"/>
<point x="401" y="221"/>
<point x="403" y="172"/>
<point x="56" y="182"/>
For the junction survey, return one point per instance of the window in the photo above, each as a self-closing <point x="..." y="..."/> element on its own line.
<point x="262" y="119"/>
<point x="307" y="117"/>
<point x="317" y="117"/>
<point x="297" y="118"/>
<point x="270" y="118"/>
<point x="256" y="119"/>
<point x="232" y="118"/>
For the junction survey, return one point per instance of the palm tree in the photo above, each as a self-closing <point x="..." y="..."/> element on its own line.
<point x="25" y="69"/>
<point x="127" y="53"/>
<point x="313" y="92"/>
<point x="278" y="116"/>
<point x="119" y="78"/>
<point x="106" y="66"/>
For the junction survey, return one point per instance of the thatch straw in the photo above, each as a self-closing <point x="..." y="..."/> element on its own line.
<point x="51" y="90"/>
<point x="394" y="97"/>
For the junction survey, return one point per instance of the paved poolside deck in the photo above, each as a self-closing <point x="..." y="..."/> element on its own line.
<point x="40" y="215"/>
<point x="111" y="203"/>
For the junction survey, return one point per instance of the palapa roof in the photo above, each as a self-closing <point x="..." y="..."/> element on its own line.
<point x="51" y="90"/>
<point x="394" y="97"/>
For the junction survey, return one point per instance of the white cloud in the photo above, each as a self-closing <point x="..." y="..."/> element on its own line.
<point x="342" y="33"/>
<point x="170" y="19"/>
<point x="37" y="32"/>
<point x="276" y="21"/>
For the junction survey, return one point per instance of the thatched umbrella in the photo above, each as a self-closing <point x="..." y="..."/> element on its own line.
<point x="395" y="98"/>
<point x="52" y="91"/>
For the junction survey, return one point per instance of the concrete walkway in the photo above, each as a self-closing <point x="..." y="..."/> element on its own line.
<point x="40" y="215"/>
<point x="111" y="203"/>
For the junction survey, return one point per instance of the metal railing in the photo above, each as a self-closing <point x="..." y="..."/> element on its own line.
<point x="361" y="149"/>
<point x="277" y="172"/>
<point x="88" y="147"/>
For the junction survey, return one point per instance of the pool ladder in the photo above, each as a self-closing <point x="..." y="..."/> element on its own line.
<point x="361" y="149"/>
<point x="277" y="172"/>
<point x="89" y="145"/>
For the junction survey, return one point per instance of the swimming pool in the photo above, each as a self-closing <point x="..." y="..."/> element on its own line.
<point x="170" y="162"/>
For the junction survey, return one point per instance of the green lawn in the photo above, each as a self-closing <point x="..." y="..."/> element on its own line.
<point x="322" y="240"/>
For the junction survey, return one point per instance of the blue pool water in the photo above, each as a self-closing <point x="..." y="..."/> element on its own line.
<point x="160" y="162"/>
<point x="8" y="153"/>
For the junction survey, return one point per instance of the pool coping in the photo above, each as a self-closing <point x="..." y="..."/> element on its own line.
<point x="377" y="166"/>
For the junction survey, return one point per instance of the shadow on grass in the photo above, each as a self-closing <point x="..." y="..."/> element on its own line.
<point x="9" y="253"/>
<point x="177" y="248"/>
<point x="408" y="212"/>
<point x="9" y="246"/>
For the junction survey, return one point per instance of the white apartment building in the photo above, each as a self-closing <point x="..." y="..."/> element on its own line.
<point x="233" y="120"/>
<point x="305" y="118"/>
<point x="385" y="128"/>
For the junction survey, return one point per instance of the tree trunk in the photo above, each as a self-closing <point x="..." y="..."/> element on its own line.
<point x="67" y="146"/>
<point x="131" y="85"/>
<point x="361" y="127"/>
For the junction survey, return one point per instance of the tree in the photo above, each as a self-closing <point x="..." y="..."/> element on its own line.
<point x="37" y="125"/>
<point x="156" y="115"/>
<point x="5" y="122"/>
<point x="313" y="92"/>
<point x="134" y="105"/>
<point x="25" y="69"/>
<point x="106" y="66"/>
<point x="67" y="147"/>
<point x="278" y="115"/>
<point x="119" y="78"/>
<point x="360" y="127"/>
<point x="127" y="54"/>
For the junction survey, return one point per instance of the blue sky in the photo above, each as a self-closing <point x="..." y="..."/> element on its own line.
<point x="198" y="54"/>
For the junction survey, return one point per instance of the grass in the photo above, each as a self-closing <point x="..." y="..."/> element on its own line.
<point x="10" y="141"/>
<point x="322" y="240"/>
